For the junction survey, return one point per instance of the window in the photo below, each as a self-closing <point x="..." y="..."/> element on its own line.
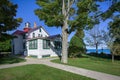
<point x="46" y="44"/>
<point x="40" y="30"/>
<point x="24" y="45"/>
<point x="24" y="36"/>
<point x="58" y="45"/>
<point x="41" y="35"/>
<point x="38" y="35"/>
<point x="33" y="44"/>
<point x="33" y="35"/>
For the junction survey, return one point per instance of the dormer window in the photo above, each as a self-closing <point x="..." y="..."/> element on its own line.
<point x="33" y="35"/>
<point x="40" y="30"/>
<point x="38" y="35"/>
<point x="41" y="35"/>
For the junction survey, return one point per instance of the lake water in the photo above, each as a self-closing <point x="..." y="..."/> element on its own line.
<point x="107" y="51"/>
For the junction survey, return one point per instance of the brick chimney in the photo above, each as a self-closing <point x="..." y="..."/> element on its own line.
<point x="35" y="25"/>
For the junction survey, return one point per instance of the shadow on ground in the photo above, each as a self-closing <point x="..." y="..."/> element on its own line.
<point x="9" y="59"/>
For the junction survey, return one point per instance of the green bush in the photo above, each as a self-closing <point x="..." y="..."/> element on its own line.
<point x="74" y="52"/>
<point x="76" y="47"/>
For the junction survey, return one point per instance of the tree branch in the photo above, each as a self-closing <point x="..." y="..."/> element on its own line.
<point x="69" y="6"/>
<point x="63" y="7"/>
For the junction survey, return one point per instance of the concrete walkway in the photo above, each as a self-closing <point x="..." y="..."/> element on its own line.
<point x="80" y="71"/>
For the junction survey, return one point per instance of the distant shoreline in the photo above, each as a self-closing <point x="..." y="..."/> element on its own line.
<point x="107" y="51"/>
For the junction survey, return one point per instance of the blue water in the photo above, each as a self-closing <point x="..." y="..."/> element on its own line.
<point x="107" y="51"/>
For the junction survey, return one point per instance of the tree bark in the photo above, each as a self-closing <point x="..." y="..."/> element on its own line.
<point x="112" y="57"/>
<point x="96" y="48"/>
<point x="64" y="35"/>
<point x="64" y="44"/>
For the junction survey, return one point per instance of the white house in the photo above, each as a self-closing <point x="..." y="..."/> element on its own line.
<point x="36" y="42"/>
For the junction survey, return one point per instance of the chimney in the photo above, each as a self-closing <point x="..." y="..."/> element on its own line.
<point x="35" y="25"/>
<point x="27" y="27"/>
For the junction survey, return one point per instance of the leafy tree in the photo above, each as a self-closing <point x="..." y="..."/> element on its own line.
<point x="7" y="21"/>
<point x="115" y="31"/>
<point x="113" y="13"/>
<point x="76" y="45"/>
<point x="7" y="18"/>
<point x="109" y="39"/>
<point x="67" y="14"/>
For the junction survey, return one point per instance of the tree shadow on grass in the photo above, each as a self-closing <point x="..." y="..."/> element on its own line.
<point x="10" y="59"/>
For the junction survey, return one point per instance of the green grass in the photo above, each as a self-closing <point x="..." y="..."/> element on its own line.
<point x="96" y="64"/>
<point x="10" y="60"/>
<point x="38" y="72"/>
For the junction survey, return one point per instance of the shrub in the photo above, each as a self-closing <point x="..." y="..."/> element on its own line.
<point x="76" y="47"/>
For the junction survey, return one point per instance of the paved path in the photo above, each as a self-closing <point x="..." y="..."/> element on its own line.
<point x="80" y="71"/>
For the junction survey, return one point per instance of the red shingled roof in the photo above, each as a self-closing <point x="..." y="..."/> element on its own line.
<point x="27" y="29"/>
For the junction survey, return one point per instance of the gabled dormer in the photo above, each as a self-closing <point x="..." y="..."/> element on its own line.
<point x="37" y="32"/>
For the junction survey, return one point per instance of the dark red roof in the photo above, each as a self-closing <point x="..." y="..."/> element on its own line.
<point x="18" y="32"/>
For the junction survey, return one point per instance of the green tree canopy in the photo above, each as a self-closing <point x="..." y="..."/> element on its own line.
<point x="51" y="12"/>
<point x="113" y="13"/>
<point x="113" y="41"/>
<point x="8" y="22"/>
<point x="7" y="18"/>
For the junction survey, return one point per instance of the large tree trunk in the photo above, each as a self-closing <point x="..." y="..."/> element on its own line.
<point x="64" y="44"/>
<point x="64" y="35"/>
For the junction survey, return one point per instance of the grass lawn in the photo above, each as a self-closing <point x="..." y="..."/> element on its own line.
<point x="96" y="64"/>
<point x="38" y="72"/>
<point x="10" y="60"/>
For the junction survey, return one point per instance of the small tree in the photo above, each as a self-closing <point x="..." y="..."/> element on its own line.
<point x="94" y="38"/>
<point x="111" y="43"/>
<point x="76" y="45"/>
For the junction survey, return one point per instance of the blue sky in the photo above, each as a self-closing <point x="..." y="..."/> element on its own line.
<point x="26" y="12"/>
